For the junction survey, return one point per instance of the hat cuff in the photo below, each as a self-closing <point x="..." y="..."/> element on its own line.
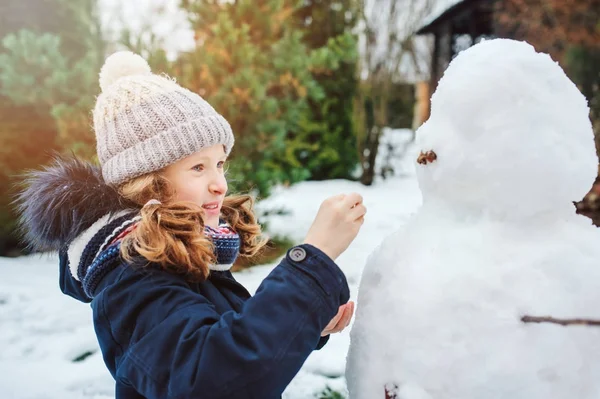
<point x="167" y="147"/>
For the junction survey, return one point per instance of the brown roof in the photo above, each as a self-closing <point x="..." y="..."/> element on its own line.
<point x="444" y="10"/>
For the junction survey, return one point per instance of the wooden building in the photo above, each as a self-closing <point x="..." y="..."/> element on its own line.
<point x="458" y="27"/>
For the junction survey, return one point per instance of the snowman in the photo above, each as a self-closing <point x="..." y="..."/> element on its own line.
<point x="478" y="296"/>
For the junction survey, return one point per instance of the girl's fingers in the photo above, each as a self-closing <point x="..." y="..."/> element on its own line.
<point x="341" y="320"/>
<point x="334" y="322"/>
<point x="345" y="318"/>
<point x="352" y="199"/>
<point x="351" y="314"/>
<point x="358" y="212"/>
<point x="347" y="315"/>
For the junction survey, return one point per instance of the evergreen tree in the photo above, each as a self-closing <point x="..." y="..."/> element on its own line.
<point x="50" y="54"/>
<point x="34" y="72"/>
<point x="329" y="134"/>
<point x="26" y="136"/>
<point x="252" y="65"/>
<point x="58" y="72"/>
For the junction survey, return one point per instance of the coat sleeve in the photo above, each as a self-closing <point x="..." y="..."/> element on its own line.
<point x="175" y="345"/>
<point x="322" y="342"/>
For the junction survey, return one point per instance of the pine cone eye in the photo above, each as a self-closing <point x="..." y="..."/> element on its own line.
<point x="426" y="157"/>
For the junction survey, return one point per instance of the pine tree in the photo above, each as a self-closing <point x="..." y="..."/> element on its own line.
<point x="329" y="133"/>
<point x="34" y="72"/>
<point x="26" y="137"/>
<point x="47" y="71"/>
<point x="49" y="60"/>
<point x="252" y="65"/>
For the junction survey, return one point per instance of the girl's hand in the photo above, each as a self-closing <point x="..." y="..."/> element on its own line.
<point x="337" y="223"/>
<point x="341" y="320"/>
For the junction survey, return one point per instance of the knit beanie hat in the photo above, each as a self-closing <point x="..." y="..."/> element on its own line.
<point x="145" y="122"/>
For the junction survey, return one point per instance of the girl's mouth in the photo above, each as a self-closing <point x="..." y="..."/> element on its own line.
<point x="211" y="207"/>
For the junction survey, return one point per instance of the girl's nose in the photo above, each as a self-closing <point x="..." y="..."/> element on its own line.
<point x="216" y="189"/>
<point x="218" y="186"/>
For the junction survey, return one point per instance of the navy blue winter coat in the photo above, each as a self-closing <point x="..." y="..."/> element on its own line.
<point x="164" y="338"/>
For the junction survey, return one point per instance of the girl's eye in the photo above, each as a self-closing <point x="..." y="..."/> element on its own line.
<point x="221" y="164"/>
<point x="198" y="168"/>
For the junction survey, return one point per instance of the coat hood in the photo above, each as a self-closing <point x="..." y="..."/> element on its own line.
<point x="62" y="200"/>
<point x="67" y="207"/>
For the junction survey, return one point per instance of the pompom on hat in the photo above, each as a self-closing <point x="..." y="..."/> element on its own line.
<point x="122" y="64"/>
<point x="145" y="122"/>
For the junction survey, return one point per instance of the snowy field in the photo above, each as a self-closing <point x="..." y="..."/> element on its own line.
<point x="44" y="331"/>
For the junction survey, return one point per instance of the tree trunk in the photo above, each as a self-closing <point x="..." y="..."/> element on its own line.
<point x="370" y="155"/>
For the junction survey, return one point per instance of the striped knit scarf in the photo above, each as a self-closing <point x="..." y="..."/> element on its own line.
<point x="227" y="245"/>
<point x="101" y="248"/>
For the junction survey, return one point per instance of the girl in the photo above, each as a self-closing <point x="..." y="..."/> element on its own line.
<point x="149" y="240"/>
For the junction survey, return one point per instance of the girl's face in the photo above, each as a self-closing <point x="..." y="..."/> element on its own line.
<point x="200" y="178"/>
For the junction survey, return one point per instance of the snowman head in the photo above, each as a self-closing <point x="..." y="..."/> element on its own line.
<point x="509" y="135"/>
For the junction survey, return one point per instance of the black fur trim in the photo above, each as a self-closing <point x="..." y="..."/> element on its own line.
<point x="59" y="202"/>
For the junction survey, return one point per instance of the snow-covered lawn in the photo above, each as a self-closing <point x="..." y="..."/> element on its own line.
<point x="42" y="331"/>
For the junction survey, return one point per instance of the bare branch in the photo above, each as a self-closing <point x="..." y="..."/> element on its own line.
<point x="562" y="322"/>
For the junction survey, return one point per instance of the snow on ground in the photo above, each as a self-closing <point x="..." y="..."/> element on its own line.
<point x="43" y="331"/>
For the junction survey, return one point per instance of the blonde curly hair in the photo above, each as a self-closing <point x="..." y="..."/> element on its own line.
<point x="171" y="233"/>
